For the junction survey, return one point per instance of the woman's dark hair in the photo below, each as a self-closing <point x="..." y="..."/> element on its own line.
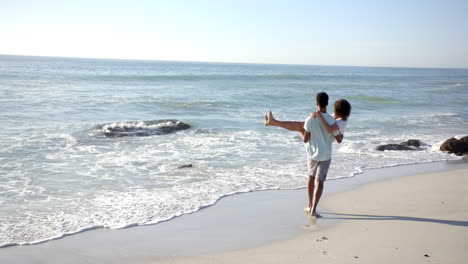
<point x="342" y="109"/>
<point x="322" y="99"/>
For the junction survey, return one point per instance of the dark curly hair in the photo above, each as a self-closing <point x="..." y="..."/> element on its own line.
<point x="342" y="109"/>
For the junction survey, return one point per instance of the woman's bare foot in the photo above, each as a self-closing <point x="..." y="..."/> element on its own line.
<point x="307" y="209"/>
<point x="269" y="119"/>
<point x="266" y="123"/>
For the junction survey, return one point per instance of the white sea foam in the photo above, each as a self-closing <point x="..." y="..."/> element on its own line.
<point x="444" y="115"/>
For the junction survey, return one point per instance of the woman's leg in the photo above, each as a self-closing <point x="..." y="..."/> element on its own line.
<point x="289" y="125"/>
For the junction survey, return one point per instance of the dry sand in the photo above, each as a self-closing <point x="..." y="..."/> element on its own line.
<point x="413" y="219"/>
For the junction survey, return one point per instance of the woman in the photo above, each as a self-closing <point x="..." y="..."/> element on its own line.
<point x="342" y="113"/>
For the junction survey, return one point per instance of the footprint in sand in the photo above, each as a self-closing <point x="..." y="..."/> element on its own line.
<point x="321" y="239"/>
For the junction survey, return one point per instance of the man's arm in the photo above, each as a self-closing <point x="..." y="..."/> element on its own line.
<point x="305" y="136"/>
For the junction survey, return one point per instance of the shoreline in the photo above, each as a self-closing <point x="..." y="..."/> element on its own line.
<point x="234" y="222"/>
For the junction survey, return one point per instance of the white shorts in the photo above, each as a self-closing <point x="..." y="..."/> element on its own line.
<point x="318" y="169"/>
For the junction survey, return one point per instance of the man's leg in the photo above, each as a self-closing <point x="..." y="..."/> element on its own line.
<point x="310" y="192"/>
<point x="316" y="197"/>
<point x="289" y="125"/>
<point x="312" y="167"/>
<point x="321" y="176"/>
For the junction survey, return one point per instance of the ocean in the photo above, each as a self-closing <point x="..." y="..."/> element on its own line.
<point x="92" y="143"/>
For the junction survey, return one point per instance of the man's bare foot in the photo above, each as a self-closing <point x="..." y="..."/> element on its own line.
<point x="307" y="209"/>
<point x="315" y="214"/>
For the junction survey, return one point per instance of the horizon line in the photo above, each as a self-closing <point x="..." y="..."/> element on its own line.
<point x="229" y="62"/>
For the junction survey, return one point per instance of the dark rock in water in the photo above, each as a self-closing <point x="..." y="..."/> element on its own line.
<point x="411" y="144"/>
<point x="141" y="128"/>
<point x="185" y="166"/>
<point x="392" y="147"/>
<point x="457" y="146"/>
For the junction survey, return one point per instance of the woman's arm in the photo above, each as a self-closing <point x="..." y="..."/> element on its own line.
<point x="328" y="128"/>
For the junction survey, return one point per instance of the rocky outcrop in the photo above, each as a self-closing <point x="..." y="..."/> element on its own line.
<point x="456" y="146"/>
<point x="412" y="144"/>
<point x="392" y="147"/>
<point x="140" y="128"/>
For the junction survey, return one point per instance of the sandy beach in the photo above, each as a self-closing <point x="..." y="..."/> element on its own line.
<point x="414" y="219"/>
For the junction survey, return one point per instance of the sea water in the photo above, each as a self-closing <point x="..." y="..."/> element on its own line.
<point x="88" y="143"/>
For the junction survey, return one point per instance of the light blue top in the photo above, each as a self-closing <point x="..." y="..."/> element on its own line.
<point x="319" y="147"/>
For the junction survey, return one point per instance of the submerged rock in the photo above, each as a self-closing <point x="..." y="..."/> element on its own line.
<point x="392" y="147"/>
<point x="185" y="166"/>
<point x="140" y="128"/>
<point x="412" y="144"/>
<point x="456" y="146"/>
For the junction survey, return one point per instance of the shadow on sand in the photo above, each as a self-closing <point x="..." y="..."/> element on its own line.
<point x="391" y="218"/>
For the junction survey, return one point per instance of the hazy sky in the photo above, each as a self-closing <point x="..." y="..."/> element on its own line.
<point x="408" y="33"/>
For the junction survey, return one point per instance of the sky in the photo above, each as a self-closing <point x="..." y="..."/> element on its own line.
<point x="392" y="33"/>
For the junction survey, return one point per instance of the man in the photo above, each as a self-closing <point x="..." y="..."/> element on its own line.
<point x="318" y="144"/>
<point x="319" y="151"/>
